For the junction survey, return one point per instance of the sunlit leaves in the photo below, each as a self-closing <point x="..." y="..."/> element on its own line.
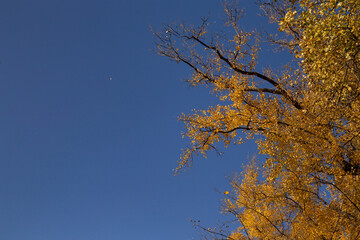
<point x="305" y="117"/>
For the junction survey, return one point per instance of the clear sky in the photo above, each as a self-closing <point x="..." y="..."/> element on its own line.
<point x="88" y="127"/>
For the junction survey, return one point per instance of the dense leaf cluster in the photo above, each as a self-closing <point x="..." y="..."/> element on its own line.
<point x="306" y="119"/>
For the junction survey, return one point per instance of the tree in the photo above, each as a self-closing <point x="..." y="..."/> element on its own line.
<point x="305" y="117"/>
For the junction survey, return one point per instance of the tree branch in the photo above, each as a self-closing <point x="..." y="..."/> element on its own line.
<point x="249" y="73"/>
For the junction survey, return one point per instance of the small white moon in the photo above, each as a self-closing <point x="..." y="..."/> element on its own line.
<point x="110" y="78"/>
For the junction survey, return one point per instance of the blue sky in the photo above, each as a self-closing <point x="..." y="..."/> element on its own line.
<point x="85" y="157"/>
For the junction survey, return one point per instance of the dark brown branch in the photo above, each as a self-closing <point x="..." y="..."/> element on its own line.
<point x="266" y="218"/>
<point x="337" y="188"/>
<point x="307" y="131"/>
<point x="315" y="194"/>
<point x="263" y="90"/>
<point x="215" y="233"/>
<point x="241" y="221"/>
<point x="249" y="73"/>
<point x="240" y="128"/>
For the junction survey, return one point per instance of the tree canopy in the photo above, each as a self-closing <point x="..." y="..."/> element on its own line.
<point x="305" y="116"/>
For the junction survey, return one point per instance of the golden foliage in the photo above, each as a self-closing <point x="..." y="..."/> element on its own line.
<point x="306" y="120"/>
